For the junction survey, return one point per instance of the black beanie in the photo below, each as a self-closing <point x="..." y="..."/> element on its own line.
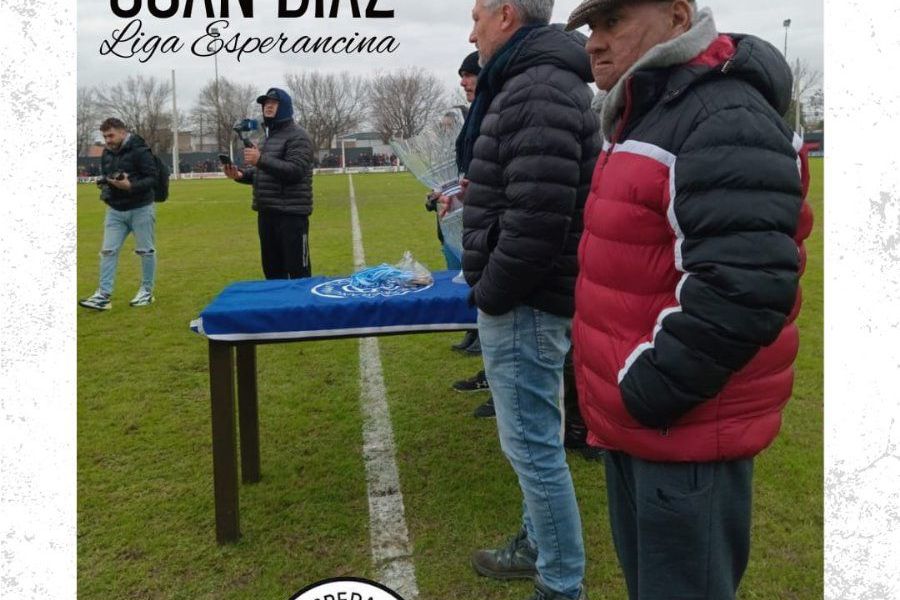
<point x="470" y="65"/>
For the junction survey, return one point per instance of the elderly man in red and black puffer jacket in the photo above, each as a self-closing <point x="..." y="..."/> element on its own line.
<point x="688" y="287"/>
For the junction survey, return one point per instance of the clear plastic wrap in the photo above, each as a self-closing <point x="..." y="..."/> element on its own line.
<point x="452" y="230"/>
<point x="407" y="273"/>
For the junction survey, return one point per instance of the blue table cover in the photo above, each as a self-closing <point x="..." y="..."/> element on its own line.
<point x="331" y="307"/>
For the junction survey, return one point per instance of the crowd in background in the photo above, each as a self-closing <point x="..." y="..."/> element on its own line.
<point x="333" y="161"/>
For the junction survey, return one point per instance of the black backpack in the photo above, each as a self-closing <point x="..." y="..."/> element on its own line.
<point x="161" y="189"/>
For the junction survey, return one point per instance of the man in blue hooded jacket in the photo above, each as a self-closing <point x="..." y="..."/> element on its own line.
<point x="280" y="171"/>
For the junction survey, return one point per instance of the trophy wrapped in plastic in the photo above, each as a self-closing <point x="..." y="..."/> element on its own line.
<point x="431" y="157"/>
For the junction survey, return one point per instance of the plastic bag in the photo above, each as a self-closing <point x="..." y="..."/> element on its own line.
<point x="414" y="272"/>
<point x="406" y="273"/>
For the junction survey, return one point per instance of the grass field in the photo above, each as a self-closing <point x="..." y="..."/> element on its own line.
<point x="145" y="505"/>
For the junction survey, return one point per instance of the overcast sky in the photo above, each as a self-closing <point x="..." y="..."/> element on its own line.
<point x="431" y="33"/>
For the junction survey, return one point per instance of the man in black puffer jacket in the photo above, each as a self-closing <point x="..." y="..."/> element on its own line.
<point x="130" y="176"/>
<point x="528" y="149"/>
<point x="281" y="174"/>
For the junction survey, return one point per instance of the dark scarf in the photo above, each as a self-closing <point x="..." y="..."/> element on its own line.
<point x="490" y="82"/>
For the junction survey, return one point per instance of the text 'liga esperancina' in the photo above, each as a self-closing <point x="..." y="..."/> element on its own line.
<point x="132" y="41"/>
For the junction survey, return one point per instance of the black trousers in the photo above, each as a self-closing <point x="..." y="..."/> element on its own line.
<point x="681" y="530"/>
<point x="284" y="245"/>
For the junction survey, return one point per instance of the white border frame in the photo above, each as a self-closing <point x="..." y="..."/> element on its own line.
<point x="37" y="258"/>
<point x="37" y="348"/>
<point x="862" y="320"/>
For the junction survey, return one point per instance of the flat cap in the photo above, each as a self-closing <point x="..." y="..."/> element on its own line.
<point x="584" y="11"/>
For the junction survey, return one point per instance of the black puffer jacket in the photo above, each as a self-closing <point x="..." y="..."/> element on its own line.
<point x="134" y="158"/>
<point x="529" y="178"/>
<point x="282" y="178"/>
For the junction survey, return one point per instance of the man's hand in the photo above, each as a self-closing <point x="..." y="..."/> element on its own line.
<point x="444" y="203"/>
<point x="251" y="156"/>
<point x="122" y="184"/>
<point x="232" y="172"/>
<point x="448" y="203"/>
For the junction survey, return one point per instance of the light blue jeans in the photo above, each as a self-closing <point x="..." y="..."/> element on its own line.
<point x="523" y="353"/>
<point x="118" y="224"/>
<point x="453" y="262"/>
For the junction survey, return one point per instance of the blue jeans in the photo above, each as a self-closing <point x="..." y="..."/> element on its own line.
<point x="453" y="262"/>
<point x="524" y="351"/>
<point x="118" y="224"/>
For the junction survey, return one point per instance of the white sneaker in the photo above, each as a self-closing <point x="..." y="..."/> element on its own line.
<point x="97" y="301"/>
<point x="144" y="297"/>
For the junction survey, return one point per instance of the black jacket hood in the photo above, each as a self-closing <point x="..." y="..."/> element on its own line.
<point x="755" y="61"/>
<point x="285" y="107"/>
<point x="760" y="64"/>
<point x="552" y="45"/>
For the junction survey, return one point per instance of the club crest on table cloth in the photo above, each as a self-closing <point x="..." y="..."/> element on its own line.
<point x="347" y="288"/>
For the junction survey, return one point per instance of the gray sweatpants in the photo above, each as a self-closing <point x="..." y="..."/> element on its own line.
<point x="681" y="530"/>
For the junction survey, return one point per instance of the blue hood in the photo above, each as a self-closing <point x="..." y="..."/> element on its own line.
<point x="285" y="107"/>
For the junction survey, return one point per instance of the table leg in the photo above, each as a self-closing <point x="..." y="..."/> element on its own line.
<point x="225" y="482"/>
<point x="248" y="412"/>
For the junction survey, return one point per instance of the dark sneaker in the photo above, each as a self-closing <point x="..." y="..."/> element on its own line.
<point x="474" y="348"/>
<point x="477" y="383"/>
<point x="486" y="410"/>
<point x="516" y="560"/>
<point x="144" y="297"/>
<point x="97" y="301"/>
<point x="471" y="336"/>
<point x="542" y="592"/>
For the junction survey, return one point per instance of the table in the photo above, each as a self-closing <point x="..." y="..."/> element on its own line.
<point x="249" y="313"/>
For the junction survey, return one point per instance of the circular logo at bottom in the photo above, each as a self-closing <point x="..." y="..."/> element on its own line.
<point x="346" y="588"/>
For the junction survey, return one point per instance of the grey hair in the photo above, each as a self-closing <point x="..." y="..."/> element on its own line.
<point x="532" y="12"/>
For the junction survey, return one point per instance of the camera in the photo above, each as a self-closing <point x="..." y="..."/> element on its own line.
<point x="431" y="201"/>
<point x="104" y="179"/>
<point x="243" y="126"/>
<point x="103" y="184"/>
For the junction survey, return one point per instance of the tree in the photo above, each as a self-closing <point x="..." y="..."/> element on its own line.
<point x="141" y="102"/>
<point x="806" y="79"/>
<point x="86" y="118"/>
<point x="326" y="104"/>
<point x="814" y="110"/>
<point x="403" y="102"/>
<point x="217" y="113"/>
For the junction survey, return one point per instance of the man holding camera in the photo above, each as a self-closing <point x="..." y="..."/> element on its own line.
<point x="281" y="174"/>
<point x="127" y="182"/>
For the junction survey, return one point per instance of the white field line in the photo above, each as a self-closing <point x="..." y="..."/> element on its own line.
<point x="391" y="550"/>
